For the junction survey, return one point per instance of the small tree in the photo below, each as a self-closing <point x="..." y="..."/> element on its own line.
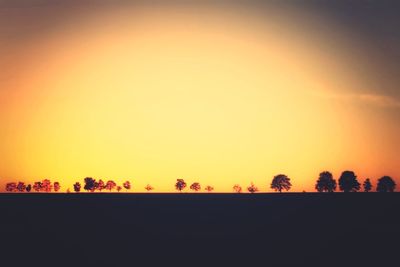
<point x="325" y="182"/>
<point x="110" y="185"/>
<point x="56" y="186"/>
<point x="367" y="185"/>
<point x="90" y="184"/>
<point x="180" y="184"/>
<point x="281" y="182"/>
<point x="252" y="188"/>
<point x="209" y="188"/>
<point x="21" y="186"/>
<point x="46" y="186"/>
<point x="28" y="188"/>
<point x="100" y="185"/>
<point x="119" y="188"/>
<point x="237" y="188"/>
<point x="77" y="187"/>
<point x="11" y="187"/>
<point x="127" y="185"/>
<point x="149" y="188"/>
<point x="195" y="186"/>
<point x="37" y="186"/>
<point x="386" y="184"/>
<point x="348" y="182"/>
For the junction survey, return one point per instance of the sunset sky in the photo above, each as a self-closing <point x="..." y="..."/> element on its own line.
<point x="218" y="92"/>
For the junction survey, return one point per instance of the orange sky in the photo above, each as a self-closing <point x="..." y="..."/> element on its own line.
<point x="215" y="96"/>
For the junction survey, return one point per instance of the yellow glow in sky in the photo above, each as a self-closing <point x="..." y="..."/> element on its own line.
<point x="213" y="97"/>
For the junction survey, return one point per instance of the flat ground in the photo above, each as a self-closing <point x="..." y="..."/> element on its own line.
<point x="305" y="229"/>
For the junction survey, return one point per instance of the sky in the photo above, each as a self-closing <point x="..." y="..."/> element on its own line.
<point x="216" y="92"/>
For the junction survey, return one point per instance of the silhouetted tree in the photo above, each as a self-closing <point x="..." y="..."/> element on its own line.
<point x="281" y="182"/>
<point x="21" y="187"/>
<point x="209" y="188"/>
<point x="348" y="182"/>
<point x="367" y="185"/>
<point x="11" y="187"/>
<point x="56" y="186"/>
<point x="46" y="185"/>
<point x="37" y="186"/>
<point x="180" y="184"/>
<point x="127" y="185"/>
<point x="28" y="188"/>
<point x="149" y="188"/>
<point x="110" y="185"/>
<point x="77" y="187"/>
<point x="325" y="182"/>
<point x="119" y="188"/>
<point x="195" y="187"/>
<point x="386" y="184"/>
<point x="237" y="188"/>
<point x="100" y="185"/>
<point x="252" y="188"/>
<point x="90" y="184"/>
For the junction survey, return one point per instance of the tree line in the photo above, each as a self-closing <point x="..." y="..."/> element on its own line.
<point x="325" y="183"/>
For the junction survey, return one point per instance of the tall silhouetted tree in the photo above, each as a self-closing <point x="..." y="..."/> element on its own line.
<point x="281" y="182"/>
<point x="149" y="188"/>
<point x="386" y="184"/>
<point x="237" y="188"/>
<point x="348" y="182"/>
<point x="180" y="184"/>
<point x="110" y="185"/>
<point x="56" y="186"/>
<point x="77" y="187"/>
<point x="209" y="188"/>
<point x="28" y="188"/>
<point x="367" y="185"/>
<point x="90" y="184"/>
<point x="195" y="186"/>
<point x="127" y="185"/>
<point x="252" y="188"/>
<point x="325" y="182"/>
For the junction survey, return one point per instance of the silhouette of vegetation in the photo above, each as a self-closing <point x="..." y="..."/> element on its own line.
<point x="119" y="188"/>
<point x="21" y="187"/>
<point x="127" y="185"/>
<point x="237" y="188"/>
<point x="325" y="182"/>
<point x="100" y="185"/>
<point x="281" y="182"/>
<point x="209" y="188"/>
<point x="180" y="184"/>
<point x="77" y="187"/>
<point x="367" y="185"/>
<point x="110" y="185"/>
<point x="28" y="188"/>
<point x="348" y="182"/>
<point x="90" y="184"/>
<point x="386" y="184"/>
<point x="11" y="187"/>
<point x="149" y="188"/>
<point x="195" y="187"/>
<point x="252" y="188"/>
<point x="56" y="186"/>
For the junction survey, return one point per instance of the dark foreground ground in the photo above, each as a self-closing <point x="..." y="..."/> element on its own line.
<point x="339" y="229"/>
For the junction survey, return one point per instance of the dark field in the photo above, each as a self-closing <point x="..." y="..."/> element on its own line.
<point x="356" y="229"/>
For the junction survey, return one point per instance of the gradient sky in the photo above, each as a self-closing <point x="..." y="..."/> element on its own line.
<point x="219" y="92"/>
